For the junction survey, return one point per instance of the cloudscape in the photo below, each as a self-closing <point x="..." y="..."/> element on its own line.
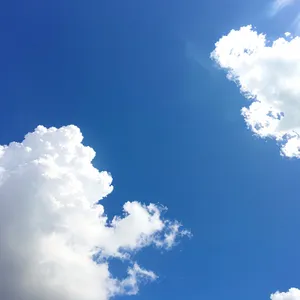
<point x="149" y="150"/>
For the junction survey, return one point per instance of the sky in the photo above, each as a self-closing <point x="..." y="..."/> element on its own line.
<point x="150" y="150"/>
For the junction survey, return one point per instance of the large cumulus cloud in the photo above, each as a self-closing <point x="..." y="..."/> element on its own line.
<point x="268" y="74"/>
<point x="56" y="241"/>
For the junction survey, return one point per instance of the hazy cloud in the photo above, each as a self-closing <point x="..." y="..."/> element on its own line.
<point x="278" y="5"/>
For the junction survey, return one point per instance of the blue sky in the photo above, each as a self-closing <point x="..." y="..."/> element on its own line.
<point x="137" y="79"/>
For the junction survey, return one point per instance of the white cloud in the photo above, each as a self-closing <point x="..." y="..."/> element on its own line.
<point x="51" y="227"/>
<point x="268" y="74"/>
<point x="278" y="5"/>
<point x="292" y="294"/>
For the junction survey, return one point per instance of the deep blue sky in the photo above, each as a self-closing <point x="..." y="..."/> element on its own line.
<point x="130" y="74"/>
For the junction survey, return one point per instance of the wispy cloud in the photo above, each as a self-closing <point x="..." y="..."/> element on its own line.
<point x="296" y="24"/>
<point x="278" y="5"/>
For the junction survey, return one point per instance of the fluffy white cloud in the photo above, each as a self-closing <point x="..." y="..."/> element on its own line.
<point x="292" y="294"/>
<point x="268" y="74"/>
<point x="56" y="241"/>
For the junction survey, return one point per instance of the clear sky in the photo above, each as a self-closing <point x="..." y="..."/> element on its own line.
<point x="136" y="77"/>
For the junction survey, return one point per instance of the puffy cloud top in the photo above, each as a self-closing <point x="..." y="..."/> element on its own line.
<point x="268" y="74"/>
<point x="292" y="294"/>
<point x="56" y="241"/>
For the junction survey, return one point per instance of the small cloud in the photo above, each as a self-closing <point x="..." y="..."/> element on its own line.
<point x="292" y="294"/>
<point x="130" y="285"/>
<point x="56" y="240"/>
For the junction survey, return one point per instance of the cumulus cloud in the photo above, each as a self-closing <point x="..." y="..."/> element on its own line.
<point x="56" y="241"/>
<point x="292" y="294"/>
<point x="268" y="74"/>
